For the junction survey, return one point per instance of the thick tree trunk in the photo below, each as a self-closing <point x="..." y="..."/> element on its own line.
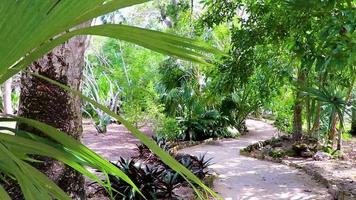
<point x="6" y="96"/>
<point x="50" y="104"/>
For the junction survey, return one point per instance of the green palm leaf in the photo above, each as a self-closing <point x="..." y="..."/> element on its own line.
<point x="157" y="41"/>
<point x="42" y="20"/>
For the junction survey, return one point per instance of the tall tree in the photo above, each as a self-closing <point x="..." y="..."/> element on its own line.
<point x="52" y="105"/>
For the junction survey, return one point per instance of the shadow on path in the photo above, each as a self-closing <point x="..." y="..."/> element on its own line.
<point x="241" y="177"/>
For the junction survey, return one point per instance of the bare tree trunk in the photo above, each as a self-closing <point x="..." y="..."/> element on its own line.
<point x="6" y="95"/>
<point x="298" y="111"/>
<point x="332" y="131"/>
<point x="316" y="124"/>
<point x="50" y="104"/>
<point x="353" y="119"/>
<point x="308" y="113"/>
<point x="353" y="112"/>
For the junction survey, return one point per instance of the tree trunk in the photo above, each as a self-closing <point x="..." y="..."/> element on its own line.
<point x="298" y="111"/>
<point x="353" y="119"/>
<point x="6" y="96"/>
<point x="353" y="111"/>
<point x="316" y="124"/>
<point x="297" y="119"/>
<point x="308" y="113"/>
<point x="332" y="132"/>
<point x="50" y="104"/>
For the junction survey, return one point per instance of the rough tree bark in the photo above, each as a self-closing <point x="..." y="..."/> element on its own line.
<point x="50" y="104"/>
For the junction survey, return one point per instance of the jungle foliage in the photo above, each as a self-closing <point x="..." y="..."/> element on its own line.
<point x="293" y="61"/>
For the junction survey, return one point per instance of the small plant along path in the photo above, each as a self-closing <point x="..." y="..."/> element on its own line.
<point x="241" y="177"/>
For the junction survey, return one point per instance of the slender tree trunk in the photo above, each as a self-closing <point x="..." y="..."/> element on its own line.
<point x="298" y="111"/>
<point x="50" y="104"/>
<point x="332" y="131"/>
<point x="353" y="112"/>
<point x="353" y="119"/>
<point x="6" y="95"/>
<point x="316" y="124"/>
<point x="308" y="113"/>
<point x="339" y="139"/>
<point x="297" y="119"/>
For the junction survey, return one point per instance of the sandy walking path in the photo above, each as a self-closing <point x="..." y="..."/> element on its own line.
<point x="241" y="177"/>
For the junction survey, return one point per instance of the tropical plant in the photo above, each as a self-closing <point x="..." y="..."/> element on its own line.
<point x="103" y="91"/>
<point x="336" y="104"/>
<point x="184" y="93"/>
<point x="155" y="179"/>
<point x="49" y="24"/>
<point x="169" y="129"/>
<point x="144" y="176"/>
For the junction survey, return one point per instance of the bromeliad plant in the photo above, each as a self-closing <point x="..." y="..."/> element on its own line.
<point x="30" y="29"/>
<point x="155" y="179"/>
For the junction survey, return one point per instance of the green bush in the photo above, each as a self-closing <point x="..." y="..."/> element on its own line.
<point x="170" y="129"/>
<point x="283" y="122"/>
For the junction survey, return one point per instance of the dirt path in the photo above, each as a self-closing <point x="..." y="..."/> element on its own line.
<point x="117" y="142"/>
<point x="241" y="177"/>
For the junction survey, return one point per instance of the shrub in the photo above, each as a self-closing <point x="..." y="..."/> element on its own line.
<point x="283" y="123"/>
<point x="170" y="129"/>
